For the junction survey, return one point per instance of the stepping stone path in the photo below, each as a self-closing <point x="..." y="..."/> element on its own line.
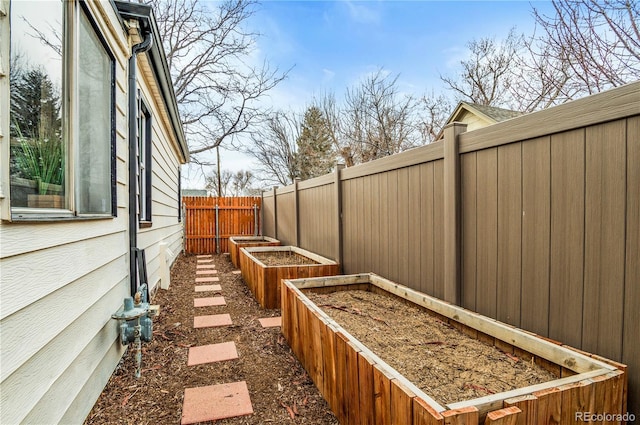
<point x="271" y="322"/>
<point x="212" y="321"/>
<point x="212" y="353"/>
<point x="207" y="279"/>
<point x="213" y="402"/>
<point x="216" y="402"/>
<point x="207" y="302"/>
<point x="206" y="288"/>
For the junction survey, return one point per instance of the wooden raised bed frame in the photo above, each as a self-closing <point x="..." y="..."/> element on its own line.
<point x="264" y="280"/>
<point x="237" y="242"/>
<point x="362" y="388"/>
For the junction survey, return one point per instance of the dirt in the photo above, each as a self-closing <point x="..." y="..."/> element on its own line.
<point x="283" y="258"/>
<point x="278" y="385"/>
<point x="446" y="364"/>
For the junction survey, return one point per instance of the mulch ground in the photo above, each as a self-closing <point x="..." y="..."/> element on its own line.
<point x="280" y="389"/>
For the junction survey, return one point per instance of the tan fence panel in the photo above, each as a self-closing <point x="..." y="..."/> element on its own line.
<point x="546" y="230"/>
<point x="317" y="220"/>
<point x="286" y="223"/>
<point x="236" y="216"/>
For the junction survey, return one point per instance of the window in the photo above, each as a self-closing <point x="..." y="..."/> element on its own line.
<point x="62" y="154"/>
<point x="144" y="163"/>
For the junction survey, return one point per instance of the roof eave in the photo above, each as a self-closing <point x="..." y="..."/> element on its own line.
<point x="160" y="67"/>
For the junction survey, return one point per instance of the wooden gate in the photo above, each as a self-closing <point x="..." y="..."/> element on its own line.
<point x="210" y="221"/>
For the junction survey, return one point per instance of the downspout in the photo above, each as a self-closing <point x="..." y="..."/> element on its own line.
<point x="141" y="47"/>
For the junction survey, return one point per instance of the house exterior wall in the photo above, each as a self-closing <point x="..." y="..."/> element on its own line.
<point x="473" y="121"/>
<point x="60" y="281"/>
<point x="165" y="226"/>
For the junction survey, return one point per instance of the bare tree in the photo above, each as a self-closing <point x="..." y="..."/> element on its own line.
<point x="433" y="111"/>
<point x="595" y="43"/>
<point x="217" y="88"/>
<point x="218" y="183"/>
<point x="275" y="148"/>
<point x="332" y="116"/>
<point x="486" y="76"/>
<point x="241" y="183"/>
<point x="377" y="120"/>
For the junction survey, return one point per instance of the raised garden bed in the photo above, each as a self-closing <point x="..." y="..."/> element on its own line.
<point x="362" y="381"/>
<point x="237" y="242"/>
<point x="264" y="267"/>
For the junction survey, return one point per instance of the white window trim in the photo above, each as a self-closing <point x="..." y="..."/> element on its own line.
<point x="70" y="122"/>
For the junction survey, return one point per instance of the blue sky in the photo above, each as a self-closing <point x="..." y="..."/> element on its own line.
<point x="331" y="45"/>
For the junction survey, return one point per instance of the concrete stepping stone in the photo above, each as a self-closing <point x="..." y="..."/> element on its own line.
<point x="215" y="402"/>
<point x="204" y="256"/>
<point x="271" y="322"/>
<point x="203" y="261"/>
<point x="210" y="301"/>
<point x="205" y="266"/>
<point x="206" y="288"/>
<point x="206" y="271"/>
<point x="212" y="353"/>
<point x="236" y="272"/>
<point x="207" y="279"/>
<point x="212" y="321"/>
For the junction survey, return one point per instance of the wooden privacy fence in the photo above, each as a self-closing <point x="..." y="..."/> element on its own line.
<point x="209" y="222"/>
<point x="534" y="221"/>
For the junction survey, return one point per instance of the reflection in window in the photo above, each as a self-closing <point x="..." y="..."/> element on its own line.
<point x="144" y="163"/>
<point x="37" y="163"/>
<point x="62" y="118"/>
<point x="95" y="116"/>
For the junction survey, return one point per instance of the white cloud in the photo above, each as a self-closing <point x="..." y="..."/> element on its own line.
<point x="362" y="13"/>
<point x="327" y="75"/>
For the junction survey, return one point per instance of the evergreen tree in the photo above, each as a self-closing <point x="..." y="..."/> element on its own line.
<point x="315" y="154"/>
<point x="35" y="107"/>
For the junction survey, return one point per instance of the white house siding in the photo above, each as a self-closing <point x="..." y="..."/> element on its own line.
<point x="473" y="121"/>
<point x="60" y="281"/>
<point x="165" y="226"/>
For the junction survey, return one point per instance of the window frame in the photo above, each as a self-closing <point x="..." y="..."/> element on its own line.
<point x="144" y="162"/>
<point x="72" y="14"/>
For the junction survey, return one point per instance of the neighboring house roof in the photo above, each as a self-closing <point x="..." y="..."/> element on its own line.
<point x="478" y="116"/>
<point x="194" y="192"/>
<point x="158" y="61"/>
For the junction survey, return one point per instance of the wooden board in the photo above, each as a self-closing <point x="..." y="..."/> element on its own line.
<point x="427" y="249"/>
<point x="382" y="395"/>
<point x="235" y="243"/>
<point x="567" y="237"/>
<point x="508" y="284"/>
<point x="487" y="232"/>
<point x="630" y="351"/>
<point x="506" y="416"/>
<point x="604" y="259"/>
<point x="468" y="171"/>
<point x="438" y="228"/>
<point x="536" y="235"/>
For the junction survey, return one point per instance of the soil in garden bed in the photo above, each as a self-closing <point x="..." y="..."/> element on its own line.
<point x="281" y="391"/>
<point x="446" y="364"/>
<point x="283" y="258"/>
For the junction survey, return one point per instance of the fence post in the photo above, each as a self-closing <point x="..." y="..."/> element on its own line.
<point x="452" y="213"/>
<point x="255" y="219"/>
<point x="217" y="232"/>
<point x="338" y="217"/>
<point x="297" y="210"/>
<point x="275" y="214"/>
